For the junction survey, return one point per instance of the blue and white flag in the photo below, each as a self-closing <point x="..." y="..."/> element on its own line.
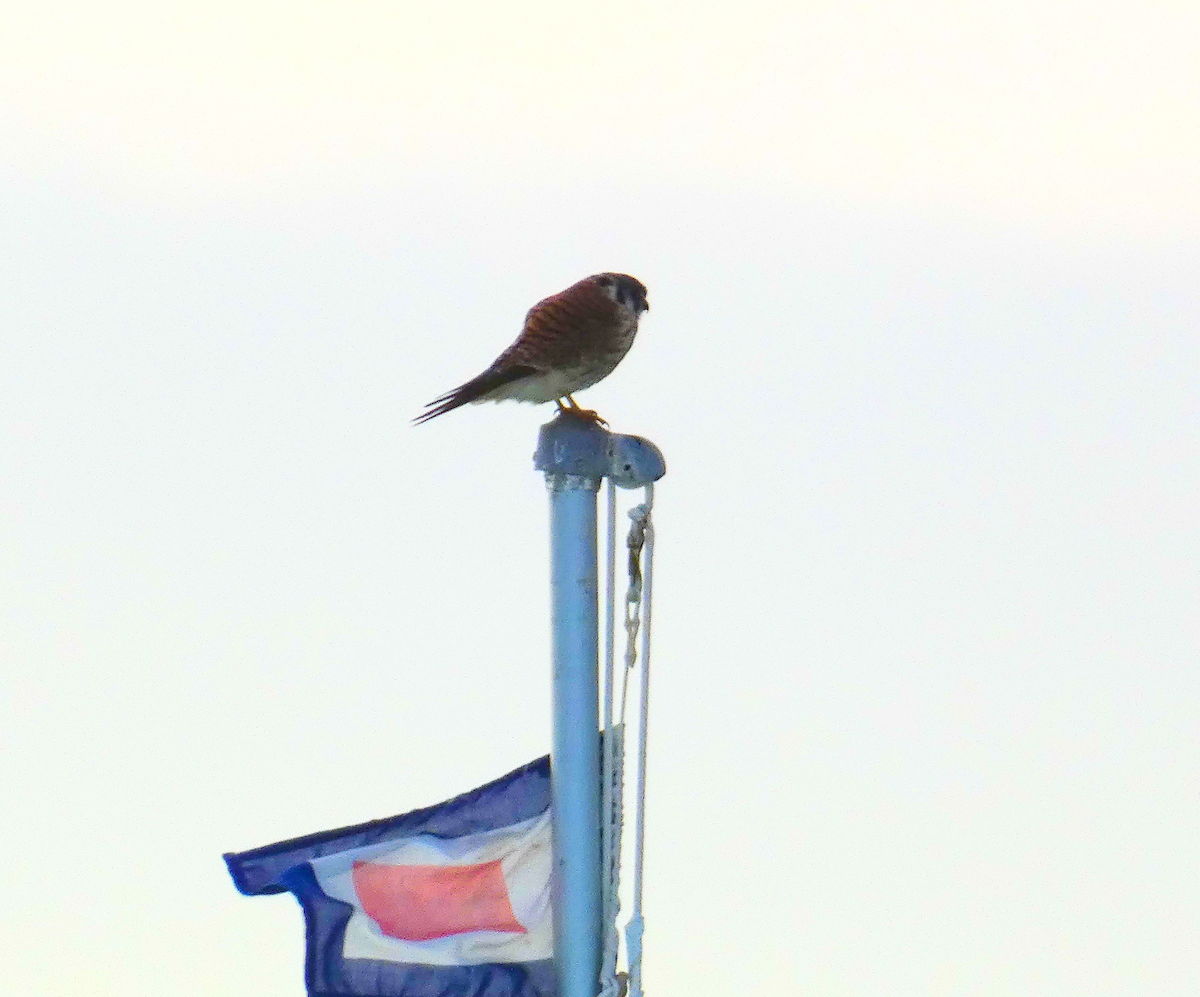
<point x="449" y="901"/>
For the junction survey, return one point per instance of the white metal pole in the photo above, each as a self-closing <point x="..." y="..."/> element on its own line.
<point x="575" y="456"/>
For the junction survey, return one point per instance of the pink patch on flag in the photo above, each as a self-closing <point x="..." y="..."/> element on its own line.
<point x="420" y="902"/>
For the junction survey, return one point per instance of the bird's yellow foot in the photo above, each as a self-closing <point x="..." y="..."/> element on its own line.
<point x="573" y="410"/>
<point x="586" y="414"/>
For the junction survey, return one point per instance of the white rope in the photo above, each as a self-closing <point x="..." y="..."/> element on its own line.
<point x="613" y="774"/>
<point x="610" y="598"/>
<point x="634" y="929"/>
<point x="640" y="544"/>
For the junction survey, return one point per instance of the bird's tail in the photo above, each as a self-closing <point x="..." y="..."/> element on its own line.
<point x="474" y="390"/>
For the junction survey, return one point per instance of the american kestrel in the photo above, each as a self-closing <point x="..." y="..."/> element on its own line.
<point x="570" y="341"/>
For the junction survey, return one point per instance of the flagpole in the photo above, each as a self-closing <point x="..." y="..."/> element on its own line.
<point x="575" y="455"/>
<point x="571" y="453"/>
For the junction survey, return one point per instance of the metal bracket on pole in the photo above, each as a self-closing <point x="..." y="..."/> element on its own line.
<point x="575" y="455"/>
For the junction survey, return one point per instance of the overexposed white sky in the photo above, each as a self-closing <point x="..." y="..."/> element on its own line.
<point x="1052" y="111"/>
<point x="922" y="358"/>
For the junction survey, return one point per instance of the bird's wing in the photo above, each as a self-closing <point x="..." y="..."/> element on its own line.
<point x="560" y="328"/>
<point x="491" y="379"/>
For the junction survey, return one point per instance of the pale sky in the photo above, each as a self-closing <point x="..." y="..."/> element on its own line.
<point x="922" y="358"/>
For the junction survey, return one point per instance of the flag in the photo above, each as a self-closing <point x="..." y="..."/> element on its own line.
<point x="449" y="901"/>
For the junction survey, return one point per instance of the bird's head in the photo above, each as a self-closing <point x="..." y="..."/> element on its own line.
<point x="624" y="290"/>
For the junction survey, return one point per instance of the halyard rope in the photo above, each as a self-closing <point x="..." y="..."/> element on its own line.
<point x="640" y="545"/>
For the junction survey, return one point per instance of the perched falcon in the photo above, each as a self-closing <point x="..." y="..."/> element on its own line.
<point x="570" y="341"/>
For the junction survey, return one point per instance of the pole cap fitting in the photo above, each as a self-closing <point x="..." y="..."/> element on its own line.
<point x="570" y="445"/>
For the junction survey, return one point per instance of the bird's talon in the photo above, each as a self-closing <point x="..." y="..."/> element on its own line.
<point x="587" y="415"/>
